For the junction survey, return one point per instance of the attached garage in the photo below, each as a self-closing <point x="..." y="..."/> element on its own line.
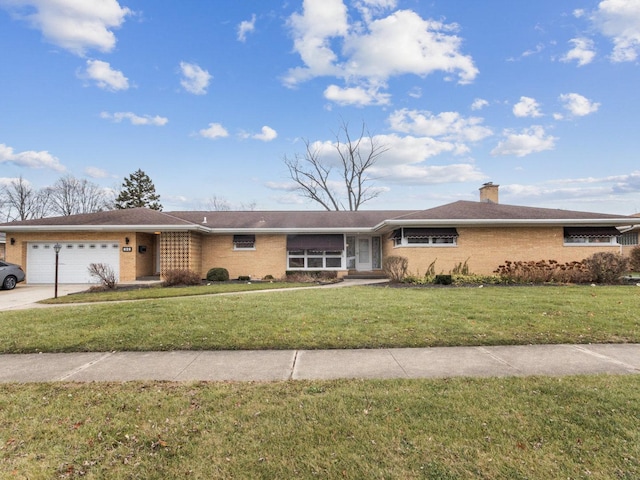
<point x="73" y="260"/>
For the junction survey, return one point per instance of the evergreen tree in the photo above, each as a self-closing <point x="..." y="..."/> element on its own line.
<point x="138" y="191"/>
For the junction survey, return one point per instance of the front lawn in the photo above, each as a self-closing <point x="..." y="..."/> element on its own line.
<point x="156" y="291"/>
<point x="511" y="428"/>
<point x="354" y="317"/>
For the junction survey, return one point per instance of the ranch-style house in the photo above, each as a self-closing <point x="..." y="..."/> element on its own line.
<point x="140" y="242"/>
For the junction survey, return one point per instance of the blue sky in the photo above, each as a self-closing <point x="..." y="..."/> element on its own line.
<point x="540" y="97"/>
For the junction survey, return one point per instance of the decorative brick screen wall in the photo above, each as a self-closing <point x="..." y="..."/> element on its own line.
<point x="180" y="250"/>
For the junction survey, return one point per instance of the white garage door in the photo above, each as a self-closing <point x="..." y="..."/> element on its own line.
<point x="73" y="261"/>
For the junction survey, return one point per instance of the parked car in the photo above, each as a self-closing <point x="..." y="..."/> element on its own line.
<point x="10" y="275"/>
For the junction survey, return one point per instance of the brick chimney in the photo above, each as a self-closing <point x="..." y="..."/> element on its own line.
<point x="489" y="193"/>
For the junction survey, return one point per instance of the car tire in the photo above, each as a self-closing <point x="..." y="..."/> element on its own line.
<point x="9" y="283"/>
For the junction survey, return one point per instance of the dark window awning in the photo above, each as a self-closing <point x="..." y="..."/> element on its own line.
<point x="430" y="232"/>
<point x="591" y="232"/>
<point x="244" y="238"/>
<point x="331" y="242"/>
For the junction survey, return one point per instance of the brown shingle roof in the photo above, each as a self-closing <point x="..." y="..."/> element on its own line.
<point x="465" y="210"/>
<point x="288" y="219"/>
<point x="130" y="216"/>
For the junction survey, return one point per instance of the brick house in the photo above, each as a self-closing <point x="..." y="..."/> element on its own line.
<point x="141" y="242"/>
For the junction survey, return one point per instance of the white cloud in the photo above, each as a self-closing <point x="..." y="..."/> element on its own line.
<point x="479" y="104"/>
<point x="358" y="96"/>
<point x="620" y="20"/>
<point x="405" y="43"/>
<point x="533" y="51"/>
<point x="245" y="27"/>
<point x="528" y="141"/>
<point x="267" y="134"/>
<point x="104" y="76"/>
<point x="194" y="79"/>
<point x="415" y="92"/>
<point x="30" y="159"/>
<point x="215" y="130"/>
<point x="75" y="25"/>
<point x="582" y="51"/>
<point x="366" y="53"/>
<point x="118" y="117"/>
<point x="95" y="172"/>
<point x="430" y="174"/>
<point x="312" y="33"/>
<point x="578" y="105"/>
<point x="450" y="126"/>
<point x="527" y="107"/>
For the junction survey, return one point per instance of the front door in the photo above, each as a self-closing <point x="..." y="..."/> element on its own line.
<point x="363" y="254"/>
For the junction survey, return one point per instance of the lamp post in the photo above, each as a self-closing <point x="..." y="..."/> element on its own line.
<point x="57" y="248"/>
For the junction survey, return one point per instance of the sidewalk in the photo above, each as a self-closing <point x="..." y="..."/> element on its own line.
<point x="270" y="365"/>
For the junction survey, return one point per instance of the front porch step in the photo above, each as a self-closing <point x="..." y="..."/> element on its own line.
<point x="370" y="275"/>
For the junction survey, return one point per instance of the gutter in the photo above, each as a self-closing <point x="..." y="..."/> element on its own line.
<point x="497" y="222"/>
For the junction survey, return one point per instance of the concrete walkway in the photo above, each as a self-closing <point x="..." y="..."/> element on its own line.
<point x="269" y="365"/>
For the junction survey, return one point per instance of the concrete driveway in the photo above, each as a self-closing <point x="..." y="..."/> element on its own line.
<point x="26" y="296"/>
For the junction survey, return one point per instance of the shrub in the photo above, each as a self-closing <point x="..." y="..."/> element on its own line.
<point x="543" y="271"/>
<point x="443" y="280"/>
<point x="310" y="276"/>
<point x="268" y="277"/>
<point x="104" y="273"/>
<point x="180" y="277"/>
<point x="395" y="267"/>
<point x="461" y="268"/>
<point x="244" y="278"/>
<point x="218" y="275"/>
<point x="606" y="267"/>
<point x="634" y="259"/>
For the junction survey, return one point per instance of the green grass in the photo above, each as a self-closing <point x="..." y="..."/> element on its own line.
<point x="157" y="291"/>
<point x="355" y="317"/>
<point x="517" y="428"/>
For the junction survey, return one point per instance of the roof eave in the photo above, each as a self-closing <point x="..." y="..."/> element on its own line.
<point x="288" y="231"/>
<point x="514" y="222"/>
<point x="104" y="228"/>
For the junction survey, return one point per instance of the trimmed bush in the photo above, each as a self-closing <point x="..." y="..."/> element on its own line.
<point x="244" y="278"/>
<point x="181" y="277"/>
<point x="606" y="267"/>
<point x="218" y="275"/>
<point x="395" y="267"/>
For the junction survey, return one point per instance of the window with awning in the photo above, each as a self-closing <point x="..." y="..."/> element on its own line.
<point x="315" y="252"/>
<point x="424" y="236"/>
<point x="598" y="235"/>
<point x="330" y="242"/>
<point x="244" y="242"/>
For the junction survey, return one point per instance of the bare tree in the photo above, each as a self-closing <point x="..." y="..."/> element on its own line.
<point x="20" y="201"/>
<point x="218" y="204"/>
<point x="345" y="185"/>
<point x="70" y="196"/>
<point x="221" y="204"/>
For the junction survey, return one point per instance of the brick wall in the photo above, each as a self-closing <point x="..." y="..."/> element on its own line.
<point x="484" y="249"/>
<point x="268" y="258"/>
